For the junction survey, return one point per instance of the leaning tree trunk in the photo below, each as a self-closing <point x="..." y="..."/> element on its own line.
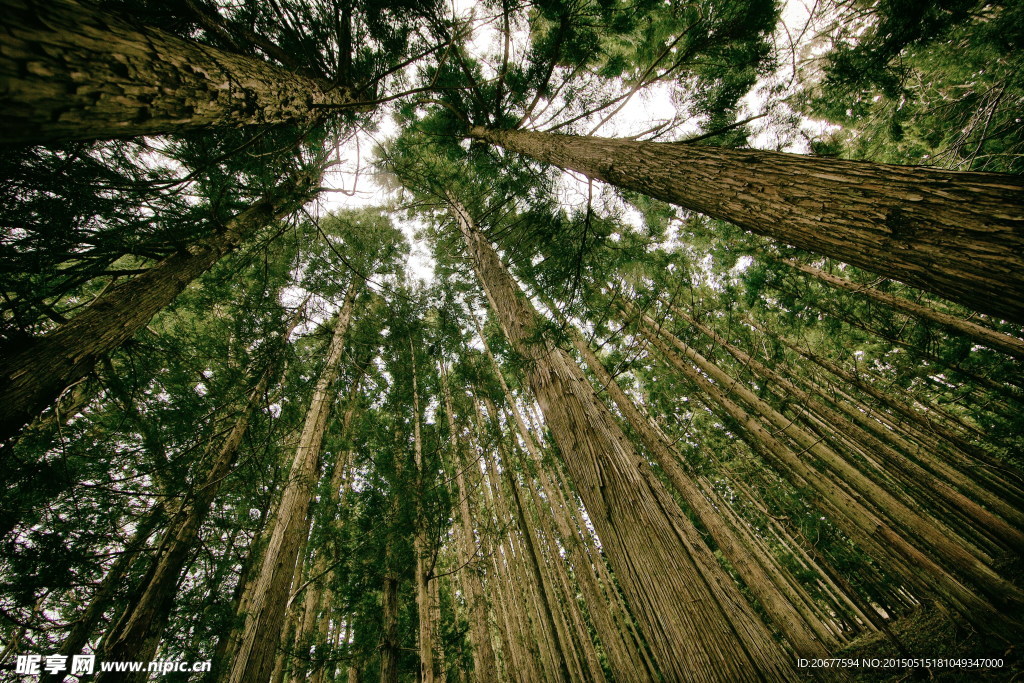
<point x="698" y="625"/>
<point x="999" y="341"/>
<point x="140" y="631"/>
<point x="268" y="601"/>
<point x="958" y="235"/>
<point x="34" y="377"/>
<point x="71" y="72"/>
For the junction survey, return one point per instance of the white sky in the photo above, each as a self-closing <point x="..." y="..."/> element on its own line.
<point x="640" y="113"/>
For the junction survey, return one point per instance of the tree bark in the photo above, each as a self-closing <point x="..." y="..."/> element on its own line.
<point x="261" y="635"/>
<point x="998" y="341"/>
<point x="485" y="665"/>
<point x="765" y="584"/>
<point x="698" y="625"/>
<point x="958" y="235"/>
<point x="33" y="377"/>
<point x="69" y="71"/>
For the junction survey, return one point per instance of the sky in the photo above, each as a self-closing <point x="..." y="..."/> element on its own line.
<point x="640" y="113"/>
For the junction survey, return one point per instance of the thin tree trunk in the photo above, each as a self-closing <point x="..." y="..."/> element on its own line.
<point x="72" y="72"/>
<point x="32" y="378"/>
<point x="423" y="574"/>
<point x="958" y="235"/>
<point x="485" y="666"/>
<point x="266" y="607"/>
<point x="1004" y="343"/>
<point x="766" y="586"/>
<point x="684" y="601"/>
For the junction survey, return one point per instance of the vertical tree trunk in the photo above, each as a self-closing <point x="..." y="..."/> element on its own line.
<point x="485" y="665"/>
<point x="33" y="378"/>
<point x="389" y="637"/>
<point x="72" y="72"/>
<point x="266" y="607"/>
<point x="958" y="235"/>
<point x="697" y="623"/>
<point x="424" y="604"/>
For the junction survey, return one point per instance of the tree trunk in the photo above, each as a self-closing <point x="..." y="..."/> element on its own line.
<point x="767" y="586"/>
<point x="261" y="635"/>
<point x="423" y="554"/>
<point x="699" y="626"/>
<point x="32" y="378"/>
<point x="71" y="72"/>
<point x="485" y="665"/>
<point x="998" y="341"/>
<point x="958" y="235"/>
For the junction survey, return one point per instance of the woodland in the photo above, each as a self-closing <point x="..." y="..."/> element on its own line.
<point x="517" y="340"/>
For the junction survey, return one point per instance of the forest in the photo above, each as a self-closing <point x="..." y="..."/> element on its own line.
<point x="511" y="340"/>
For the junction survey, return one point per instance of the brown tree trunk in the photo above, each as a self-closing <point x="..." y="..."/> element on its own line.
<point x="699" y="626"/>
<point x="767" y="586"/>
<point x="958" y="235"/>
<point x="485" y="665"/>
<point x="33" y="378"/>
<point x="261" y="635"/>
<point x="1004" y="343"/>
<point x="71" y="72"/>
<point x="389" y="636"/>
<point x="424" y="564"/>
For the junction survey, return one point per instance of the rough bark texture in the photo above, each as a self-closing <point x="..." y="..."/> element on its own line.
<point x="71" y="72"/>
<point x="759" y="573"/>
<point x="266" y="607"/>
<point x="33" y="378"/>
<point x="699" y="627"/>
<point x="958" y="235"/>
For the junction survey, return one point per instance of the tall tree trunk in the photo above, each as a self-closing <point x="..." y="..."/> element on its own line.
<point x="699" y="626"/>
<point x="78" y="637"/>
<point x="424" y="604"/>
<point x="140" y="632"/>
<point x="485" y="665"/>
<point x="266" y="606"/>
<point x="389" y="645"/>
<point x="958" y="235"/>
<point x="72" y="72"/>
<point x="999" y="341"/>
<point x="766" y="584"/>
<point x="32" y="378"/>
<point x="312" y="628"/>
